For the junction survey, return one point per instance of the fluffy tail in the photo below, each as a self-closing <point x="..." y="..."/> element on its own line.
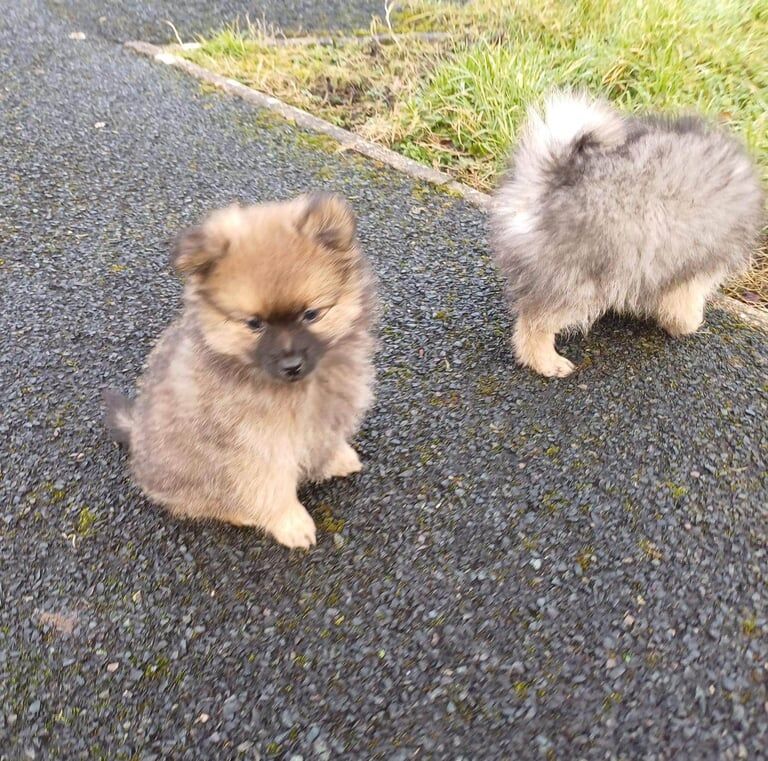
<point x="570" y="124"/>
<point x="118" y="416"/>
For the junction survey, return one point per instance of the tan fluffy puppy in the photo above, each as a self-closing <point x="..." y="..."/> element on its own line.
<point x="260" y="383"/>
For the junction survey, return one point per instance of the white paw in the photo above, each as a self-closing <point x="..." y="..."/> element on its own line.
<point x="554" y="366"/>
<point x="344" y="463"/>
<point x="681" y="327"/>
<point x="294" y="528"/>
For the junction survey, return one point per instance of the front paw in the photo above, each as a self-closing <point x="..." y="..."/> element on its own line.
<point x="345" y="462"/>
<point x="551" y="365"/>
<point x="294" y="527"/>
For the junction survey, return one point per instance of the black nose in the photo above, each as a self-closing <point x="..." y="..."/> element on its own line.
<point x="291" y="366"/>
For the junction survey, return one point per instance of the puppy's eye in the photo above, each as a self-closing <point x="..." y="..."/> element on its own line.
<point x="255" y="323"/>
<point x="311" y="315"/>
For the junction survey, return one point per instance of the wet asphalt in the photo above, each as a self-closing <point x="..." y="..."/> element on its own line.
<point x="526" y="569"/>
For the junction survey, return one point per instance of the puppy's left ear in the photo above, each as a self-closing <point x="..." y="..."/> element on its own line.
<point x="329" y="219"/>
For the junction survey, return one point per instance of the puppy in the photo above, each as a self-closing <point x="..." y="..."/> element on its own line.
<point x="600" y="211"/>
<point x="260" y="383"/>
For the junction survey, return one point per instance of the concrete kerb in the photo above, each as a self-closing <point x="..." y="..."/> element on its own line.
<point x="350" y="141"/>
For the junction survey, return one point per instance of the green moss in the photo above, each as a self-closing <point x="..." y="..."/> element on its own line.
<point x="487" y="385"/>
<point x="160" y="668"/>
<point x="585" y="558"/>
<point x="265" y="119"/>
<point x="552" y="501"/>
<point x="403" y="375"/>
<point x="552" y="451"/>
<point x="448" y="191"/>
<point x="86" y="519"/>
<point x="326" y="520"/>
<point x="325" y="173"/>
<point x="421" y="191"/>
<point x="650" y="550"/>
<point x="750" y="628"/>
<point x="60" y="418"/>
<point x="317" y="142"/>
<point x="55" y="495"/>
<point x="678" y="492"/>
<point x="521" y="689"/>
<point x="450" y="400"/>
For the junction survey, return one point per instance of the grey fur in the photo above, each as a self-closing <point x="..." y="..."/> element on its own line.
<point x="118" y="415"/>
<point x="602" y="211"/>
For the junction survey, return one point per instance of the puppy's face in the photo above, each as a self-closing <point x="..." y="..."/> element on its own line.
<point x="274" y="285"/>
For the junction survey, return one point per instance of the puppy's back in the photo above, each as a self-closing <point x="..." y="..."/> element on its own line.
<point x="602" y="208"/>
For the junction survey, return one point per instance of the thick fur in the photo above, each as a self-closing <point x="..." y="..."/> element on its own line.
<point x="601" y="211"/>
<point x="118" y="416"/>
<point x="213" y="433"/>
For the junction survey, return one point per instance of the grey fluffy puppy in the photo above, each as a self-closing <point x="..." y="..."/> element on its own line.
<point x="261" y="382"/>
<point x="601" y="211"/>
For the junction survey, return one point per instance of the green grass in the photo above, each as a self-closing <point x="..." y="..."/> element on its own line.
<point x="457" y="105"/>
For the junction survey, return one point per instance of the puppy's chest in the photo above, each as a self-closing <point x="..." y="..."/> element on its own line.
<point x="302" y="425"/>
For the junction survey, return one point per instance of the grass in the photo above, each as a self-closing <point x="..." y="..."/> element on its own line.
<point x="457" y="104"/>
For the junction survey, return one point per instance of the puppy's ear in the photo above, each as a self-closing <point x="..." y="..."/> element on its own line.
<point x="191" y="254"/>
<point x="198" y="248"/>
<point x="329" y="219"/>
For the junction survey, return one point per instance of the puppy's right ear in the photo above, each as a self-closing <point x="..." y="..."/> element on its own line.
<point x="190" y="252"/>
<point x="198" y="248"/>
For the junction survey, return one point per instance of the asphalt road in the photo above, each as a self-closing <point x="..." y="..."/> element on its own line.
<point x="121" y="20"/>
<point x="525" y="569"/>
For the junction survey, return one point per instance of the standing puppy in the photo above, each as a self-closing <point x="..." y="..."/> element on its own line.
<point x="601" y="211"/>
<point x="260" y="383"/>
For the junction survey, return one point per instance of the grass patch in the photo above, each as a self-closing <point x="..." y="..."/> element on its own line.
<point x="457" y="104"/>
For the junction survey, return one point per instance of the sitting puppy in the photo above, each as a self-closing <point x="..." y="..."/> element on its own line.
<point x="601" y="211"/>
<point x="260" y="383"/>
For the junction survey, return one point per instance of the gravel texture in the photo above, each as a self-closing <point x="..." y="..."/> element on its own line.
<point x="121" y="20"/>
<point x="525" y="569"/>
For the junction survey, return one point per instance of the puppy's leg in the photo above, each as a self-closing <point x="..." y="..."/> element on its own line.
<point x="534" y="342"/>
<point x="270" y="503"/>
<point x="292" y="525"/>
<point x="681" y="310"/>
<point x="344" y="462"/>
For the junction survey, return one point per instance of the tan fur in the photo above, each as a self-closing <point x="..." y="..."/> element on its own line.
<point x="534" y="343"/>
<point x="212" y="433"/>
<point x="681" y="310"/>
